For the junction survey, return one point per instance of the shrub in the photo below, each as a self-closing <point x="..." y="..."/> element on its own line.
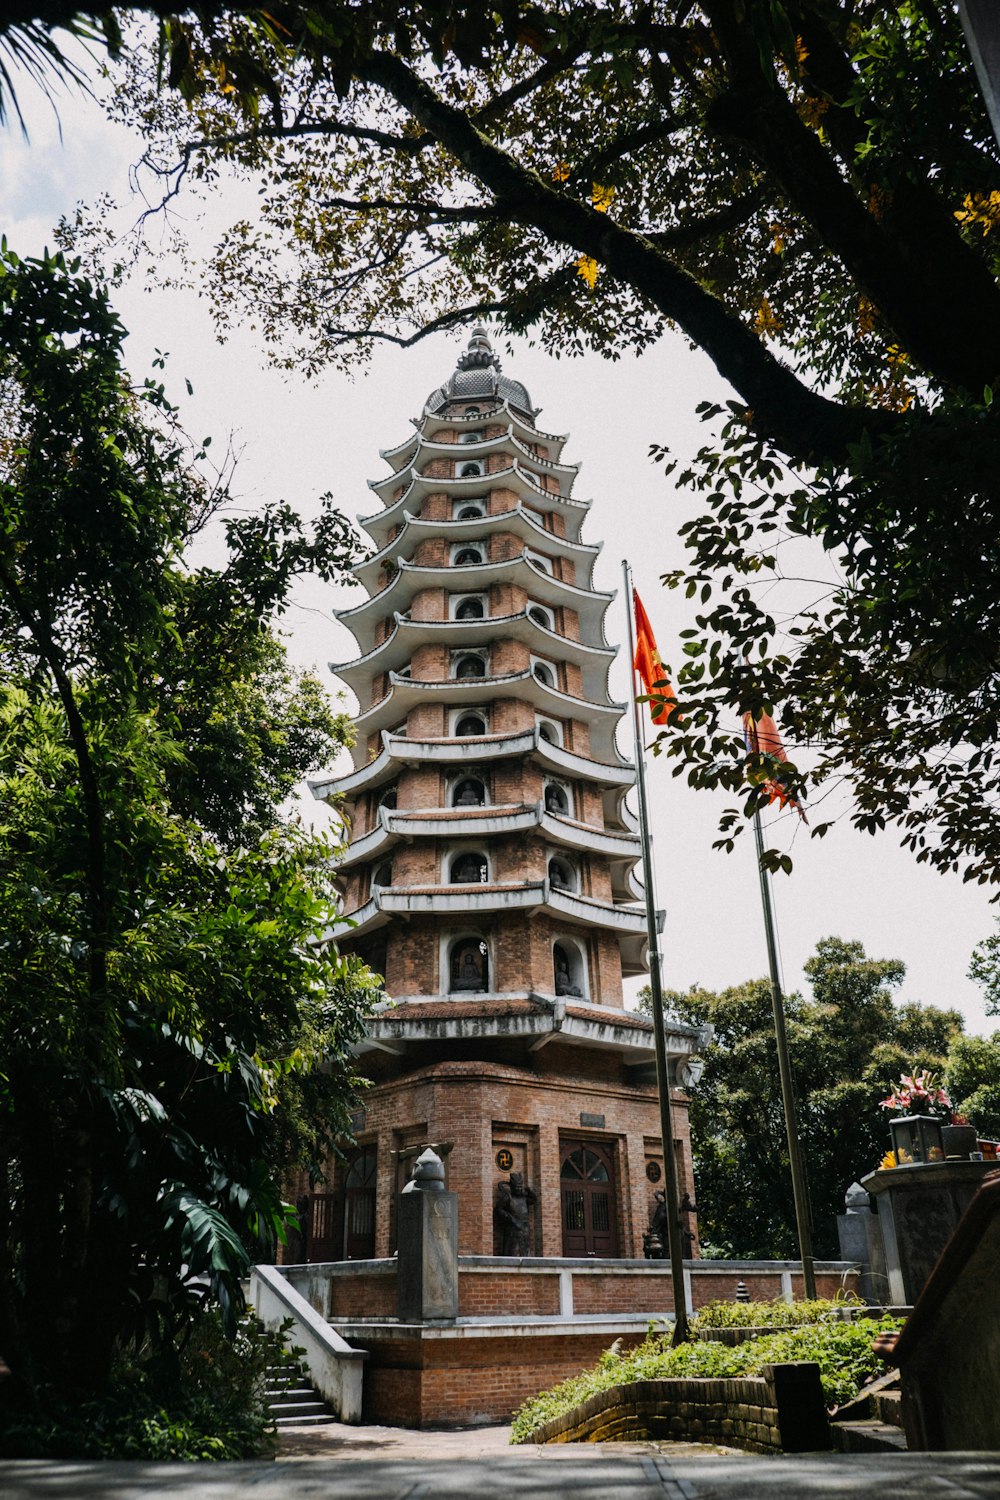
<point x="843" y="1352"/>
<point x="206" y="1403"/>
<point x="776" y="1314"/>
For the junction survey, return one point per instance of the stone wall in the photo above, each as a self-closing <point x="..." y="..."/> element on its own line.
<point x="781" y="1411"/>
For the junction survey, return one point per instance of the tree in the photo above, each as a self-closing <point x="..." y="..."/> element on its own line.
<point x="809" y="190"/>
<point x="167" y="992"/>
<point x="847" y="1044"/>
<point x="973" y="1078"/>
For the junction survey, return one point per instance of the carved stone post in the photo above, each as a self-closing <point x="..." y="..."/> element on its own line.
<point x="427" y="1263"/>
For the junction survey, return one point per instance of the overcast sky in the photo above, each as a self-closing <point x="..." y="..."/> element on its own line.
<point x="299" y="440"/>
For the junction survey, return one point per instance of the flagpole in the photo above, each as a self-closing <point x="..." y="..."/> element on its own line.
<point x="671" y="1186"/>
<point x="800" y="1189"/>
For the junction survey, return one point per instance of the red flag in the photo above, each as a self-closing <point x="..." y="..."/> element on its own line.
<point x="650" y="668"/>
<point x="762" y="738"/>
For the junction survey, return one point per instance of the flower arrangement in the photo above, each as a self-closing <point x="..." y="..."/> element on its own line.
<point x="918" y="1094"/>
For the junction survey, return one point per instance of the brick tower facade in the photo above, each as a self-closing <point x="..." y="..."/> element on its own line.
<point x="489" y="874"/>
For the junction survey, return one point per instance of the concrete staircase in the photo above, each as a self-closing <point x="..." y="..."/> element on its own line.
<point x="872" y="1422"/>
<point x="293" y="1400"/>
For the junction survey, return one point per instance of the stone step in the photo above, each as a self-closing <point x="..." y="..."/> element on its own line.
<point x="320" y="1419"/>
<point x="889" y="1407"/>
<point x="294" y="1409"/>
<point x="282" y="1395"/>
<point x="867" y="1437"/>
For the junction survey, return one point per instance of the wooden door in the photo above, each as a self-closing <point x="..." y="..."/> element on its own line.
<point x="589" y="1207"/>
<point x="359" y="1204"/>
<point x="322" y="1238"/>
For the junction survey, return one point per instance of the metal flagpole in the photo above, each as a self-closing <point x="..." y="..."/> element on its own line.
<point x="670" y="1184"/>
<point x="800" y="1190"/>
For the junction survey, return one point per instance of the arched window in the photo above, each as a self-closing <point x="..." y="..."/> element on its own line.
<point x="470" y="724"/>
<point x="470" y="666"/>
<point x="549" y="731"/>
<point x="568" y="970"/>
<point x="471" y="609"/>
<point x="469" y="966"/>
<point x="383" y="875"/>
<point x="469" y="868"/>
<point x="556" y="800"/>
<point x="470" y="470"/>
<point x="469" y="792"/>
<point x="471" y="411"/>
<point x="475" y="435"/>
<point x="540" y="616"/>
<point x="540" y="561"/>
<point x="561" y="876"/>
<point x="470" y="512"/>
<point x="468" y="557"/>
<point x="388" y="798"/>
<point x="544" y="674"/>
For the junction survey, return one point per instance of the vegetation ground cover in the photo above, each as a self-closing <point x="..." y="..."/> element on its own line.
<point x="208" y="1404"/>
<point x="842" y="1350"/>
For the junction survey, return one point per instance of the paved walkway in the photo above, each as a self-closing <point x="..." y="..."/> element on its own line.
<point x="387" y="1463"/>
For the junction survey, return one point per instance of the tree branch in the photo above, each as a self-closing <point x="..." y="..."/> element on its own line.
<point x="803" y="423"/>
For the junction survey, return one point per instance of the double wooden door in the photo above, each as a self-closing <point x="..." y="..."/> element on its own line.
<point x="589" y="1205"/>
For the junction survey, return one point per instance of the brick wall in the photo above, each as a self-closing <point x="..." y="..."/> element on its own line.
<point x="781" y="1411"/>
<point x="462" y="1382"/>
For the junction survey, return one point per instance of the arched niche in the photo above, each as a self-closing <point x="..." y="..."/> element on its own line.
<point x="469" y="867"/>
<point x="469" y="725"/>
<point x="470" y="665"/>
<point x="468" y="965"/>
<point x="472" y="607"/>
<point x="569" y="969"/>
<point x="556" y="799"/>
<point x="562" y="876"/>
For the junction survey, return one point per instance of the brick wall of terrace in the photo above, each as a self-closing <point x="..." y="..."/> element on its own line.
<point x="411" y="1382"/>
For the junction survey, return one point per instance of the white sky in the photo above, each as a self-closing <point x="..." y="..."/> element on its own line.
<point x="300" y="440"/>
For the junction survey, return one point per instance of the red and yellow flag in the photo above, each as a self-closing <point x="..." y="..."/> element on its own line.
<point x="762" y="738"/>
<point x="650" y="668"/>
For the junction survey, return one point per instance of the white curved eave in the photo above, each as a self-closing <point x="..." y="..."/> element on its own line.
<point x="395" y="827"/>
<point x="398" y="751"/>
<point x="409" y="579"/>
<point x="516" y="522"/>
<point x="513" y="480"/>
<point x="427" y="449"/>
<point x="387" y="902"/>
<point x="407" y="634"/>
<point x="406" y="693"/>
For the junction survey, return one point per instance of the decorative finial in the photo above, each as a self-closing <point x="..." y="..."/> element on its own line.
<point x="479" y="353"/>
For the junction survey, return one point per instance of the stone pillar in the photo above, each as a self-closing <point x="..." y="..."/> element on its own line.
<point x="427" y="1263"/>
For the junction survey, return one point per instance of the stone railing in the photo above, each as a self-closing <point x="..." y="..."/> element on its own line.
<point x="497" y="1286"/>
<point x="779" y="1411"/>
<point x="334" y="1368"/>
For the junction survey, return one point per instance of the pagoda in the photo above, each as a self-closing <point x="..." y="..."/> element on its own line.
<point x="489" y="874"/>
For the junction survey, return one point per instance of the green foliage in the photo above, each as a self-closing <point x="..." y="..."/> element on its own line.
<point x="175" y="1028"/>
<point x="594" y="174"/>
<point x="846" y="1046"/>
<point x="774" y="1314"/>
<point x="210" y="1405"/>
<point x="843" y="1352"/>
<point x="984" y="969"/>
<point x="973" y="1075"/>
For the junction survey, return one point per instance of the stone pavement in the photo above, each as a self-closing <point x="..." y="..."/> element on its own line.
<point x="386" y="1463"/>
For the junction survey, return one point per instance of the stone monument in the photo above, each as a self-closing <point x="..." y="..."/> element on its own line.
<point x="427" y="1265"/>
